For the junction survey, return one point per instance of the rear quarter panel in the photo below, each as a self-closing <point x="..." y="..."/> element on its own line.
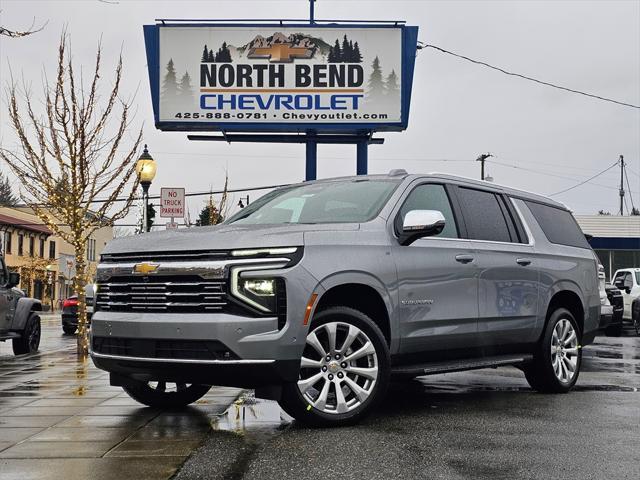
<point x="564" y="268"/>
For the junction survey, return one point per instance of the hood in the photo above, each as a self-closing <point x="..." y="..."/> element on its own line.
<point x="221" y="237"/>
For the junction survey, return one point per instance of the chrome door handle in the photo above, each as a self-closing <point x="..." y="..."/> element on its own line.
<point x="464" y="258"/>
<point x="523" y="261"/>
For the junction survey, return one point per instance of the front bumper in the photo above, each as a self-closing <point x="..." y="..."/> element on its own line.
<point x="259" y="353"/>
<point x="231" y="373"/>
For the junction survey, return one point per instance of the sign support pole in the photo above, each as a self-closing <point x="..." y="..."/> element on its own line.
<point x="362" y="157"/>
<point x="311" y="167"/>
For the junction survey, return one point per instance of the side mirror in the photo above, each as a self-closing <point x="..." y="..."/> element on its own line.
<point x="421" y="223"/>
<point x="619" y="285"/>
<point x="14" y="279"/>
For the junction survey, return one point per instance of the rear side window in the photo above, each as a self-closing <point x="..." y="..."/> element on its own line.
<point x="484" y="216"/>
<point x="558" y="225"/>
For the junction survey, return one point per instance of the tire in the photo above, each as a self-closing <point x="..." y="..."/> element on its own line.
<point x="358" y="346"/>
<point x="69" y="329"/>
<point x="613" y="331"/>
<point x="30" y="338"/>
<point x="155" y="394"/>
<point x="558" y="355"/>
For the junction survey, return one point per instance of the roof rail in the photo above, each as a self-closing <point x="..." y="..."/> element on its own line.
<point x="397" y="172"/>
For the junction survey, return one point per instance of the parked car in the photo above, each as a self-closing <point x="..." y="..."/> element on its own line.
<point x="318" y="292"/>
<point x="615" y="301"/>
<point x="19" y="319"/>
<point x="70" y="310"/>
<point x="627" y="280"/>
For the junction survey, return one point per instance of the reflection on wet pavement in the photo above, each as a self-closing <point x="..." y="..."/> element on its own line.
<point x="57" y="407"/>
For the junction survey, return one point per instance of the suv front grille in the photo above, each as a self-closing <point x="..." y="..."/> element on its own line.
<point x="184" y="293"/>
<point x="172" y="349"/>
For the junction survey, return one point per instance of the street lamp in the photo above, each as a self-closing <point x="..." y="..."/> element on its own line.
<point x="146" y="169"/>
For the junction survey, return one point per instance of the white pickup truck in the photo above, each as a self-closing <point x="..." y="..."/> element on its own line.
<point x="628" y="281"/>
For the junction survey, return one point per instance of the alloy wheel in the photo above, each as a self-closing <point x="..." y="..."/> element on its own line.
<point x="339" y="368"/>
<point x="34" y="337"/>
<point x="564" y="351"/>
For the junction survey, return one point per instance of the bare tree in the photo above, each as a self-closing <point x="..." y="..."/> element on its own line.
<point x="23" y="33"/>
<point x="68" y="158"/>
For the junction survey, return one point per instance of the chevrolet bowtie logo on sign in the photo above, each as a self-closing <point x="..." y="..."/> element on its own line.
<point x="280" y="53"/>
<point x="145" y="268"/>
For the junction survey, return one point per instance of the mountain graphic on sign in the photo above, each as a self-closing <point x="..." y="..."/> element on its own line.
<point x="295" y="40"/>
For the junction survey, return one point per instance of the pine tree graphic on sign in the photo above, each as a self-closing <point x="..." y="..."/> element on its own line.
<point x="185" y="93"/>
<point x="169" y="96"/>
<point x="375" y="87"/>
<point x="393" y="90"/>
<point x="170" y="84"/>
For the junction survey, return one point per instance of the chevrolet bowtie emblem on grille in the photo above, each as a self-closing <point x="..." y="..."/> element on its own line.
<point x="145" y="268"/>
<point x="280" y="53"/>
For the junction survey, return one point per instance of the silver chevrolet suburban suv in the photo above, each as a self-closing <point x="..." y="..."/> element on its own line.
<point x="317" y="293"/>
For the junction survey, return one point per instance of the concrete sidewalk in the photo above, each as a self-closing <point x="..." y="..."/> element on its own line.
<point x="60" y="418"/>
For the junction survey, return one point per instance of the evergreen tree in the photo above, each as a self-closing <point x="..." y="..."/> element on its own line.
<point x="151" y="215"/>
<point x="224" y="54"/>
<point x="357" y="56"/>
<point x="7" y="197"/>
<point x="205" y="55"/>
<point x="211" y="57"/>
<point x="331" y="58"/>
<point x="337" y="54"/>
<point x="351" y="54"/>
<point x="170" y="85"/>
<point x="346" y="50"/>
<point x="393" y="89"/>
<point x="186" y="91"/>
<point x="375" y="86"/>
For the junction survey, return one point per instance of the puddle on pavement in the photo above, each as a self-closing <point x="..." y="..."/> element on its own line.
<point x="252" y="415"/>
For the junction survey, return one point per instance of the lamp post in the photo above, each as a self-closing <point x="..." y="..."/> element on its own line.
<point x="146" y="169"/>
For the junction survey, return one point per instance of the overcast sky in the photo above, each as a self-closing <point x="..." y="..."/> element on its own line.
<point x="547" y="139"/>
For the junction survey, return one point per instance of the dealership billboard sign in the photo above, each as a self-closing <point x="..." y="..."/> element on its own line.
<point x="340" y="78"/>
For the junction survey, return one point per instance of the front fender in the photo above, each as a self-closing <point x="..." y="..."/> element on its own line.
<point x="365" y="278"/>
<point x="24" y="308"/>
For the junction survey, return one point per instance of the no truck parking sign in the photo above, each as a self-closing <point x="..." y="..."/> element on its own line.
<point x="172" y="202"/>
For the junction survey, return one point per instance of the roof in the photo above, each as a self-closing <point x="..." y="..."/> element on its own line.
<point x="22" y="224"/>
<point x="398" y="174"/>
<point x="610" y="226"/>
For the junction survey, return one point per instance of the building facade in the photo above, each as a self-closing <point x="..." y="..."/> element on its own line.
<point x="616" y="240"/>
<point x="45" y="261"/>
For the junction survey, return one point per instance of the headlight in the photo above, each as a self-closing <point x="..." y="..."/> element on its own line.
<point x="261" y="288"/>
<point x="259" y="293"/>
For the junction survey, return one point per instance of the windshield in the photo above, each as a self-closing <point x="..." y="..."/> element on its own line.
<point x="352" y="201"/>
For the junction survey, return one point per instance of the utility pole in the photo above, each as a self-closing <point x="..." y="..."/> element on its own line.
<point x="621" y="184"/>
<point x="311" y="11"/>
<point x="482" y="158"/>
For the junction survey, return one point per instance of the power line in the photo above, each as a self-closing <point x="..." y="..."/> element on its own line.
<point x="548" y="174"/>
<point x="585" y="181"/>
<point x="525" y="77"/>
<point x="626" y="175"/>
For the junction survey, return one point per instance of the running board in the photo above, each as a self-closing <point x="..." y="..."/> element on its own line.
<point x="460" y="365"/>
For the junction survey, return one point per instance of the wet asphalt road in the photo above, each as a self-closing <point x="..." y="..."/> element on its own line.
<point x="482" y="424"/>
